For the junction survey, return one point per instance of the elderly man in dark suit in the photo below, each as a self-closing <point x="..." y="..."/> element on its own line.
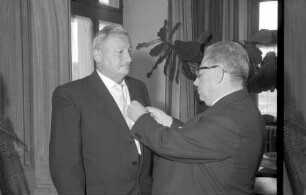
<point x="91" y="149"/>
<point x="218" y="151"/>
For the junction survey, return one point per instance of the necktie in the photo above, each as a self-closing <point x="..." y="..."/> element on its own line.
<point x="122" y="100"/>
<point x="122" y="103"/>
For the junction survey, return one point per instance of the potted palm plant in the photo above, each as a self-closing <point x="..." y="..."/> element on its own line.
<point x="190" y="53"/>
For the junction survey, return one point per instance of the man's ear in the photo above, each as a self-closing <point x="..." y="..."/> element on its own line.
<point x="219" y="74"/>
<point x="97" y="55"/>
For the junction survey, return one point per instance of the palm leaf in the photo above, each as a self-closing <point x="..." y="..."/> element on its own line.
<point x="186" y="50"/>
<point x="177" y="25"/>
<point x="263" y="37"/>
<point x="178" y="72"/>
<point x="254" y="53"/>
<point x="147" y="44"/>
<point x="162" y="33"/>
<point x="204" y="37"/>
<point x="267" y="72"/>
<point x="157" y="49"/>
<point x="172" y="67"/>
<point x="160" y="59"/>
<point x="167" y="63"/>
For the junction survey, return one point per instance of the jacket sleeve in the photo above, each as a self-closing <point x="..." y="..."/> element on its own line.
<point x="195" y="142"/>
<point x="65" y="153"/>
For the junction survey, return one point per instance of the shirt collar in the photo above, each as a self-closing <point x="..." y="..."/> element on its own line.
<point x="109" y="83"/>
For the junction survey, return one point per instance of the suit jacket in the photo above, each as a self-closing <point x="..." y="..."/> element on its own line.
<point x="91" y="149"/>
<point x="216" y="152"/>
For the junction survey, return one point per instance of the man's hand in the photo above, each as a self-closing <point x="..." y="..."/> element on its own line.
<point x="135" y="110"/>
<point x="160" y="116"/>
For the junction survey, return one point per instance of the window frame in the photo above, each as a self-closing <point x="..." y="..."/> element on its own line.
<point x="119" y="10"/>
<point x="95" y="11"/>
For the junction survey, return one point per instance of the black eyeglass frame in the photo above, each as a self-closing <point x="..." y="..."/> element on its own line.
<point x="207" y="67"/>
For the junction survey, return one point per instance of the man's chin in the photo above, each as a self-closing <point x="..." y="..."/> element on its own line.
<point x="205" y="101"/>
<point x="125" y="71"/>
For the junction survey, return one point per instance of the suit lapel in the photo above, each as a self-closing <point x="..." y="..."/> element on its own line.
<point x="107" y="102"/>
<point x="133" y="90"/>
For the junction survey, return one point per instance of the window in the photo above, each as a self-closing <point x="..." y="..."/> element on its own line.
<point x="111" y="3"/>
<point x="81" y="37"/>
<point x="267" y="101"/>
<point x="88" y="17"/>
<point x="102" y="24"/>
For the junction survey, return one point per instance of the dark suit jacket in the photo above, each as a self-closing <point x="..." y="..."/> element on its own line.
<point x="91" y="149"/>
<point x="216" y="152"/>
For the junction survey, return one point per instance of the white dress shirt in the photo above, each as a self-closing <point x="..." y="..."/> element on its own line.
<point x="112" y="88"/>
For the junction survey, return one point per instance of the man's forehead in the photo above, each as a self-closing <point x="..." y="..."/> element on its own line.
<point x="205" y="62"/>
<point x="118" y="41"/>
<point x="118" y="37"/>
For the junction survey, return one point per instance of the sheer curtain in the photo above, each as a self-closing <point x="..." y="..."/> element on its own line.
<point x="180" y="97"/>
<point x="223" y="19"/>
<point x="81" y="38"/>
<point x="217" y="16"/>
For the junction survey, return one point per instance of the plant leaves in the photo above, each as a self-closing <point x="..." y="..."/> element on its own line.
<point x="252" y="83"/>
<point x="177" y="25"/>
<point x="162" y="33"/>
<point x="155" y="51"/>
<point x="198" y="58"/>
<point x="178" y="72"/>
<point x="267" y="72"/>
<point x="147" y="44"/>
<point x="264" y="37"/>
<point x="186" y="50"/>
<point x="173" y="67"/>
<point x="254" y="53"/>
<point x="188" y="70"/>
<point x="168" y="61"/>
<point x="204" y="37"/>
<point x="160" y="59"/>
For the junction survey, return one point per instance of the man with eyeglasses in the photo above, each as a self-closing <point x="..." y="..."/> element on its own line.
<point x="219" y="150"/>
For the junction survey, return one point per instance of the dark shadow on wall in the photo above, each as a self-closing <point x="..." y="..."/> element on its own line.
<point x="4" y="101"/>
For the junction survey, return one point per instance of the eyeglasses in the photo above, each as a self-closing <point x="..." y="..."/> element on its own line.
<point x="205" y="68"/>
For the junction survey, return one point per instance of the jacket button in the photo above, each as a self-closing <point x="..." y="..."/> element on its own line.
<point x="130" y="142"/>
<point x="134" y="163"/>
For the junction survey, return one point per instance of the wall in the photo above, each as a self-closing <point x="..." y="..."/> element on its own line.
<point x="143" y="19"/>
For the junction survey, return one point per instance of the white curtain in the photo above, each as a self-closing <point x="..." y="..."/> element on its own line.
<point x="81" y="38"/>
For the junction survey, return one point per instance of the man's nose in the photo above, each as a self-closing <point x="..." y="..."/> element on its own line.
<point x="128" y="57"/>
<point x="196" y="82"/>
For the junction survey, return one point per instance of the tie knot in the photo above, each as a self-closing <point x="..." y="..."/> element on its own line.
<point x="119" y="87"/>
<point x="122" y="86"/>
